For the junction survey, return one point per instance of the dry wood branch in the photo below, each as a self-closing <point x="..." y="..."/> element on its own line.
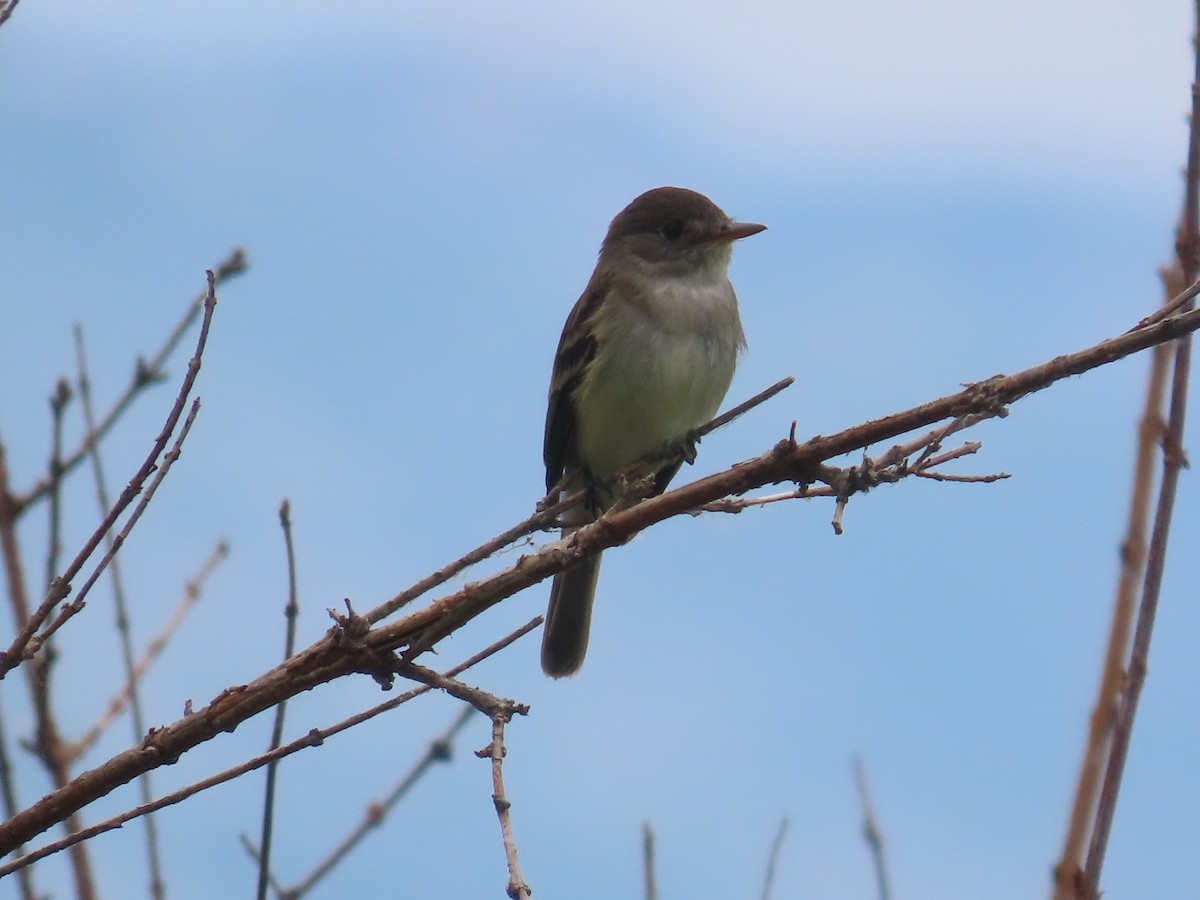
<point x="326" y="659"/>
<point x="649" y="869"/>
<point x="315" y="738"/>
<point x="773" y="858"/>
<point x="517" y="888"/>
<point x="291" y="612"/>
<point x="872" y="832"/>
<point x="1068" y="872"/>
<point x="1187" y="252"/>
<point x="124" y="630"/>
<point x="6" y="10"/>
<point x="24" y="645"/>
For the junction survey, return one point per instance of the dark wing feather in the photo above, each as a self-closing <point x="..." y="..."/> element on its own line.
<point x="576" y="348"/>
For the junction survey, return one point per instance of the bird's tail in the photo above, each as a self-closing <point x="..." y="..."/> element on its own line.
<point x="565" y="637"/>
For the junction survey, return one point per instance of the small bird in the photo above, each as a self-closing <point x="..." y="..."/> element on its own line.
<point x="645" y="357"/>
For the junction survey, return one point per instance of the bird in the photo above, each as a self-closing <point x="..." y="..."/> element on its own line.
<point x="645" y="357"/>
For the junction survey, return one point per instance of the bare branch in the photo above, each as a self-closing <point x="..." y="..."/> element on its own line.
<point x="331" y="657"/>
<point x="291" y="612"/>
<point x="1187" y="251"/>
<point x="124" y="632"/>
<point x="314" y="738"/>
<point x="871" y="831"/>
<point x="518" y="888"/>
<point x="20" y="648"/>
<point x="648" y="866"/>
<point x="773" y="859"/>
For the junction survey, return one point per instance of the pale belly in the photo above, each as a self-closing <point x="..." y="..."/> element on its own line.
<point x="647" y="393"/>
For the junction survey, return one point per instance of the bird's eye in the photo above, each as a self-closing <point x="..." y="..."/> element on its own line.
<point x="672" y="231"/>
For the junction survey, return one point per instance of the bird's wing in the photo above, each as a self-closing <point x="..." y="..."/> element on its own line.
<point x="576" y="349"/>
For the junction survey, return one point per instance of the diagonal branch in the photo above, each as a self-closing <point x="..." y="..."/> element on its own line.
<point x="331" y="657"/>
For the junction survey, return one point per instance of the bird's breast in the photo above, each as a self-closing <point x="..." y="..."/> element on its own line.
<point x="662" y="366"/>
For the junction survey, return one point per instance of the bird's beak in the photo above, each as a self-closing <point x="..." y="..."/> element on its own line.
<point x="737" y="230"/>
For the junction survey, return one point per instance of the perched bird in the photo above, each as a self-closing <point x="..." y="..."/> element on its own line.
<point x="645" y="357"/>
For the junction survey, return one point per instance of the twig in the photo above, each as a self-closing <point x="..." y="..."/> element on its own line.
<point x="191" y="595"/>
<point x="9" y="794"/>
<point x="517" y="888"/>
<point x="326" y="660"/>
<point x="648" y="866"/>
<point x="20" y="648"/>
<point x="291" y="613"/>
<point x="439" y="750"/>
<point x="1068" y="872"/>
<point x="872" y="832"/>
<point x="137" y="721"/>
<point x="842" y="483"/>
<point x="314" y="738"/>
<point x="1187" y="247"/>
<point x="761" y="397"/>
<point x="773" y="859"/>
<point x="168" y="460"/>
<point x="58" y="405"/>
<point x="6" y="10"/>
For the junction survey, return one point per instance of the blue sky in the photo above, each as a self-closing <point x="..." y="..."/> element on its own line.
<point x="952" y="192"/>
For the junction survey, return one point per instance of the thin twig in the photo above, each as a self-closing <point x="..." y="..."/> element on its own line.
<point x="649" y="869"/>
<point x="6" y="10"/>
<point x="291" y="613"/>
<point x="124" y="631"/>
<point x="1068" y="872"/>
<point x="773" y="858"/>
<point x="20" y="647"/>
<point x="1187" y="246"/>
<point x="871" y="831"/>
<point x="517" y="888"/>
<point x="314" y="738"/>
<point x="8" y="792"/>
<point x="58" y="405"/>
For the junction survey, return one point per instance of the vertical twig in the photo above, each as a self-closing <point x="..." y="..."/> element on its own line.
<point x="9" y="794"/>
<point x="1187" y="247"/>
<point x="773" y="858"/>
<point x="290" y="613"/>
<point x="517" y="889"/>
<point x="58" y="405"/>
<point x="1067" y="873"/>
<point x="872" y="832"/>
<point x="48" y="741"/>
<point x="648" y="864"/>
<point x="121" y="609"/>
